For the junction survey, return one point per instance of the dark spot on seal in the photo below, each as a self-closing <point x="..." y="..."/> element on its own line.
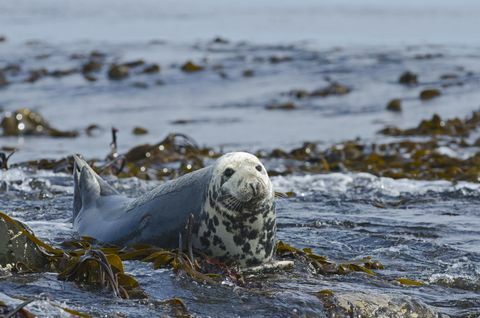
<point x="252" y="219"/>
<point x="239" y="240"/>
<point x="216" y="240"/>
<point x="215" y="220"/>
<point x="252" y="234"/>
<point x="211" y="227"/>
<point x="205" y="242"/>
<point x="247" y="248"/>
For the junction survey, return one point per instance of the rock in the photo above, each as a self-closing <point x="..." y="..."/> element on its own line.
<point x="449" y="76"/>
<point x="279" y="59"/>
<point x="282" y="106"/>
<point x="91" y="66"/>
<point x="35" y="75"/>
<point x="151" y="69"/>
<point x="358" y="304"/>
<point x="142" y="85"/>
<point x="395" y="105"/>
<point x="248" y="73"/>
<point x="428" y="94"/>
<point x="408" y="78"/>
<point x="190" y="67"/>
<point x="220" y="40"/>
<point x="139" y="131"/>
<point x="117" y="72"/>
<point x="3" y="79"/>
<point x="62" y="73"/>
<point x="135" y="63"/>
<point x="89" y="78"/>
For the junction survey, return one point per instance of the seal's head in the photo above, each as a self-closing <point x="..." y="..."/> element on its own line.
<point x="241" y="181"/>
<point x="238" y="221"/>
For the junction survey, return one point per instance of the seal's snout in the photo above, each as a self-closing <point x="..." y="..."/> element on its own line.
<point x="257" y="190"/>
<point x="254" y="188"/>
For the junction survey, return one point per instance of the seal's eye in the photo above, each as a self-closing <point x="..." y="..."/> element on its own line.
<point x="259" y="168"/>
<point x="228" y="172"/>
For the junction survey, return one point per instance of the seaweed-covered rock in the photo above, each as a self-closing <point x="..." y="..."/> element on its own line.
<point x="375" y="306"/>
<point x="3" y="79"/>
<point x="151" y="69"/>
<point x="139" y="131"/>
<point x="117" y="72"/>
<point x="26" y="122"/>
<point x="248" y="73"/>
<point x="190" y="67"/>
<point x="334" y="89"/>
<point x="282" y="106"/>
<point x="408" y="78"/>
<point x="430" y="93"/>
<point x="91" y="66"/>
<point x="395" y="105"/>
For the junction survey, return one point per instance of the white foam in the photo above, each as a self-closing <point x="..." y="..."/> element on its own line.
<point x="343" y="182"/>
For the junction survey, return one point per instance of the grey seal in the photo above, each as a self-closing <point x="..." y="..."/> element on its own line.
<point x="232" y="202"/>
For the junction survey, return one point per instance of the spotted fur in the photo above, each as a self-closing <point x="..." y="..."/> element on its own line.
<point x="238" y="223"/>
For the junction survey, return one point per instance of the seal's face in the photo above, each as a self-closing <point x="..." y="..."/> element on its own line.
<point x="241" y="181"/>
<point x="238" y="221"/>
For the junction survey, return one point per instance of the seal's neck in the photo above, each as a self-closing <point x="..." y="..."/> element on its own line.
<point x="243" y="235"/>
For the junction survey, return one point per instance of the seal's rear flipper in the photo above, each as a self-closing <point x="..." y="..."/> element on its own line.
<point x="88" y="186"/>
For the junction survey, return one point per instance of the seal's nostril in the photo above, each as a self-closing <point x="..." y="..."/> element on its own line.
<point x="254" y="189"/>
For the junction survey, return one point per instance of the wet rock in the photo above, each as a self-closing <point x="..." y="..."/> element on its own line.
<point x="352" y="304"/>
<point x="220" y="40"/>
<point x="62" y="73"/>
<point x="91" y="66"/>
<point x="395" y="105"/>
<point x="151" y="69"/>
<point x="139" y="131"/>
<point x="35" y="75"/>
<point x="3" y="79"/>
<point x="282" y="106"/>
<point x="449" y="76"/>
<point x="334" y="89"/>
<point x="132" y="64"/>
<point x="117" y="72"/>
<point x="190" y="67"/>
<point x="12" y="68"/>
<point x="428" y="56"/>
<point x="430" y="93"/>
<point x="97" y="54"/>
<point x="408" y="78"/>
<point x="92" y="129"/>
<point x="279" y="59"/>
<point x="248" y="73"/>
<point x="89" y="77"/>
<point x="142" y="85"/>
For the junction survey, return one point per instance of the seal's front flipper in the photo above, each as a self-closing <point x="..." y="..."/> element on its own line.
<point x="88" y="186"/>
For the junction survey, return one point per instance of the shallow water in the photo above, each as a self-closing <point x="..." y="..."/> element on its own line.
<point x="427" y="231"/>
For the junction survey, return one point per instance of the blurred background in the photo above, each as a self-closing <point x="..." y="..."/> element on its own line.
<point x="252" y="55"/>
